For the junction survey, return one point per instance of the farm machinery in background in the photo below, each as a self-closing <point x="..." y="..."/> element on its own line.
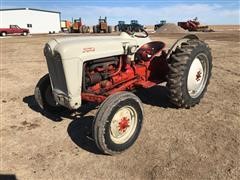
<point x="121" y="26"/>
<point x="79" y="27"/>
<point x="66" y="25"/>
<point x="134" y="26"/>
<point x="74" y="26"/>
<point x="194" y="25"/>
<point x="102" y="26"/>
<point x="162" y="22"/>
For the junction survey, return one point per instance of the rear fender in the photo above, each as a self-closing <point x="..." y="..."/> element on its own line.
<point x="179" y="42"/>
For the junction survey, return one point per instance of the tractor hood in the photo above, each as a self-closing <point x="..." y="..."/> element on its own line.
<point x="93" y="47"/>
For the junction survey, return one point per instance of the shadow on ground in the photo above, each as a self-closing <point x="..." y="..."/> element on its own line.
<point x="8" y="177"/>
<point x="80" y="131"/>
<point x="155" y="96"/>
<point x="80" y="128"/>
<point x="72" y="115"/>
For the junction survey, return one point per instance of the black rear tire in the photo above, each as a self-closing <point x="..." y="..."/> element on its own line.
<point x="80" y="30"/>
<point x="98" y="30"/>
<point x="84" y="29"/>
<point x="117" y="28"/>
<point x="109" y="29"/>
<point x="44" y="97"/>
<point x="110" y="135"/>
<point x="181" y="61"/>
<point x="87" y="29"/>
<point x="94" y="29"/>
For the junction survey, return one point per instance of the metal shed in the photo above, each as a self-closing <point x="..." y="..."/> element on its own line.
<point x="36" y="20"/>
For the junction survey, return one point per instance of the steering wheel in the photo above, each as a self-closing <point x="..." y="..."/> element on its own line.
<point x="136" y="35"/>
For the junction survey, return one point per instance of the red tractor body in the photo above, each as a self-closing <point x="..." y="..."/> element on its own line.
<point x="150" y="69"/>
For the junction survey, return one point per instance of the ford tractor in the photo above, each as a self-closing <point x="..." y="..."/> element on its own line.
<point x="107" y="69"/>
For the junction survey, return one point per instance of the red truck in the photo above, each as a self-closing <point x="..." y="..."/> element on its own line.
<point x="14" y="29"/>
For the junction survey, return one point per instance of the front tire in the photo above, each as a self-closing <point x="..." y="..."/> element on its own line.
<point x="25" y="34"/>
<point x="189" y="73"/>
<point x="118" y="122"/>
<point x="44" y="97"/>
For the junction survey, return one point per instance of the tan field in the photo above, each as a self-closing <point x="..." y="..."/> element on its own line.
<point x="217" y="28"/>
<point x="225" y="28"/>
<point x="198" y="143"/>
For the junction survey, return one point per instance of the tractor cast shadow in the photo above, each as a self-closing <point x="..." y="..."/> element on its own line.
<point x="8" y="177"/>
<point x="155" y="96"/>
<point x="80" y="128"/>
<point x="80" y="132"/>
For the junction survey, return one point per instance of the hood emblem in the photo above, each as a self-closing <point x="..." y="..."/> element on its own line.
<point x="88" y="49"/>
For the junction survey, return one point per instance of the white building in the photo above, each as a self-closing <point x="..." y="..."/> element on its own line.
<point x="36" y="20"/>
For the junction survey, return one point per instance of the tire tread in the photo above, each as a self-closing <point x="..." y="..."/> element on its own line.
<point x="177" y="68"/>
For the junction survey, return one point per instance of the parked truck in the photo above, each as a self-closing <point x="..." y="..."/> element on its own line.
<point x="14" y="29"/>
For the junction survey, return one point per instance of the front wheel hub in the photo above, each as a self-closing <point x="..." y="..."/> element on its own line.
<point x="123" y="124"/>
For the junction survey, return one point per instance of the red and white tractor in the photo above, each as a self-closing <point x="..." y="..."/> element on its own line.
<point x="105" y="69"/>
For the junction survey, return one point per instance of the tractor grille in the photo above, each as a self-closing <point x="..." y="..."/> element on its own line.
<point x="56" y="72"/>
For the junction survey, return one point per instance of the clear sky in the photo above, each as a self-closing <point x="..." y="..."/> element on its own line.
<point x="146" y="12"/>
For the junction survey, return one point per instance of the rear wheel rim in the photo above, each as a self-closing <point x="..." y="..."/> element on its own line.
<point x="123" y="124"/>
<point x="197" y="75"/>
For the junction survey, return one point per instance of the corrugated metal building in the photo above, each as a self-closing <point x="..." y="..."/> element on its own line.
<point x="36" y="20"/>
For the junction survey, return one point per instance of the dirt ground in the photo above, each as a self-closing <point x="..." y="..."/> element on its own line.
<point x="198" y="143"/>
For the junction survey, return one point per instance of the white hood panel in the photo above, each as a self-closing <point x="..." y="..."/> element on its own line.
<point x="93" y="47"/>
